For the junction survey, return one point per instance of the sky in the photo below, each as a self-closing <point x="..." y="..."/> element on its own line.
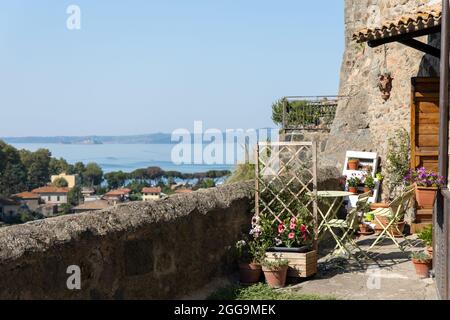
<point x="146" y="66"/>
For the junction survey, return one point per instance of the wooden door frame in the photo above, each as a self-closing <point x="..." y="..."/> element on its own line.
<point x="414" y="106"/>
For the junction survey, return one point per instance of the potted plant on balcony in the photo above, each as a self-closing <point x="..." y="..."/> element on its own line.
<point x="353" y="164"/>
<point x="427" y="184"/>
<point x="275" y="272"/>
<point x="250" y="256"/>
<point x="422" y="263"/>
<point x="426" y="235"/>
<point x="369" y="183"/>
<point x="290" y="239"/>
<point x="353" y="184"/>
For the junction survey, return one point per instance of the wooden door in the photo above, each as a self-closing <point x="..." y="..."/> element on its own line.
<point x="425" y="123"/>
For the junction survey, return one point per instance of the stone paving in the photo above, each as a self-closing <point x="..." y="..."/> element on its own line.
<point x="390" y="277"/>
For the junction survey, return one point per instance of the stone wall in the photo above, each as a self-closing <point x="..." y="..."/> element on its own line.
<point x="364" y="121"/>
<point x="160" y="250"/>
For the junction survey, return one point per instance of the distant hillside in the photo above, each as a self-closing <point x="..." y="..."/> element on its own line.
<point x="156" y="138"/>
<point x="153" y="138"/>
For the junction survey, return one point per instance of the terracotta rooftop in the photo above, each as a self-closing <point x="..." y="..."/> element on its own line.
<point x="151" y="190"/>
<point x="50" y="189"/>
<point x="423" y="18"/>
<point x="184" y="191"/>
<point x="118" y="192"/>
<point x="93" y="205"/>
<point x="26" y="195"/>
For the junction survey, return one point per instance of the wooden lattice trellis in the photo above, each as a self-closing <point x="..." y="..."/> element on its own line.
<point x="286" y="181"/>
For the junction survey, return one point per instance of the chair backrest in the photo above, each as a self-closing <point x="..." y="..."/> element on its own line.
<point x="354" y="218"/>
<point x="401" y="204"/>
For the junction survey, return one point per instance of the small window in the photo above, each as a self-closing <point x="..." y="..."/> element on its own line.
<point x="58" y="198"/>
<point x="49" y="198"/>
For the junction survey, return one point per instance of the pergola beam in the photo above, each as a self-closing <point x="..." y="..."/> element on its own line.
<point x="418" y="45"/>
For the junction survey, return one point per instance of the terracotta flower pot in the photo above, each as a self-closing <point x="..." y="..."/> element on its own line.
<point x="384" y="222"/>
<point x="363" y="228"/>
<point x="250" y="273"/>
<point x="353" y="190"/>
<point x="276" y="278"/>
<point x="430" y="251"/>
<point x="353" y="164"/>
<point x="367" y="190"/>
<point x="422" y="268"/>
<point x="426" y="197"/>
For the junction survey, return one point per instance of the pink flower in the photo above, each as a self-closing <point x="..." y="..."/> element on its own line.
<point x="293" y="226"/>
<point x="292" y="236"/>
<point x="280" y="228"/>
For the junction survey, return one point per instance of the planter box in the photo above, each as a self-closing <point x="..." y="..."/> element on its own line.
<point x="301" y="265"/>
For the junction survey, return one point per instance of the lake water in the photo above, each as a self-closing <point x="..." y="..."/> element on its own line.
<point x="126" y="157"/>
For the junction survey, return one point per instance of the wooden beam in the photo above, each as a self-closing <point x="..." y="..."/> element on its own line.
<point x="418" y="45"/>
<point x="399" y="37"/>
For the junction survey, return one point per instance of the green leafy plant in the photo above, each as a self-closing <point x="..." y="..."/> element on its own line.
<point x="369" y="182"/>
<point x="421" y="257"/>
<point x="398" y="160"/>
<point x="260" y="292"/>
<point x="275" y="264"/>
<point x="250" y="251"/>
<point x="426" y="235"/>
<point x="354" y="182"/>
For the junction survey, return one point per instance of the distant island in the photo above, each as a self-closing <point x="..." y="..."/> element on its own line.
<point x="154" y="138"/>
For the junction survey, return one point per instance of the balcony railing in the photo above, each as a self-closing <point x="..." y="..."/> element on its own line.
<point x="309" y="113"/>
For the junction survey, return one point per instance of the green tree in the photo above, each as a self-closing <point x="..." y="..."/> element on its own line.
<point x="60" y="183"/>
<point x="58" y="166"/>
<point x="116" y="179"/>
<point x="13" y="174"/>
<point x="92" y="175"/>
<point x="74" y="197"/>
<point x="37" y="166"/>
<point x="79" y="168"/>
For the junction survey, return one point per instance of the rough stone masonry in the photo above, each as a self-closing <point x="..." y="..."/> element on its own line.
<point x="161" y="250"/>
<point x="364" y="121"/>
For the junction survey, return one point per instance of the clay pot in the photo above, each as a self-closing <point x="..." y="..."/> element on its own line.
<point x="367" y="190"/>
<point x="384" y="222"/>
<point x="276" y="278"/>
<point x="363" y="228"/>
<point x="353" y="190"/>
<point x="250" y="273"/>
<point x="353" y="164"/>
<point x="422" y="268"/>
<point x="375" y="206"/>
<point x="426" y="197"/>
<point x="430" y="251"/>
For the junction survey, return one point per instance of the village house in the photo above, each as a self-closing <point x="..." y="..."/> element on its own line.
<point x="52" y="195"/>
<point x="119" y="195"/>
<point x="29" y="199"/>
<point x="151" y="194"/>
<point x="9" y="208"/>
<point x="92" y="206"/>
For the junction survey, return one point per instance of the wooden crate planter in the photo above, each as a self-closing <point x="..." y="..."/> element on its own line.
<point x="301" y="265"/>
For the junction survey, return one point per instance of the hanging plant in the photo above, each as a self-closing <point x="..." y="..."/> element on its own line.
<point x="385" y="85"/>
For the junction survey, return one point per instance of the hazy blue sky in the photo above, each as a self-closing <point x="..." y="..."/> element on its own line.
<point x="143" y="66"/>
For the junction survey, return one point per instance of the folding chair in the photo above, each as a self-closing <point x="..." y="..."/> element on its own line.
<point x="394" y="214"/>
<point x="350" y="225"/>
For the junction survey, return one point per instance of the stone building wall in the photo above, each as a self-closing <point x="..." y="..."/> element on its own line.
<point x="364" y="121"/>
<point x="161" y="250"/>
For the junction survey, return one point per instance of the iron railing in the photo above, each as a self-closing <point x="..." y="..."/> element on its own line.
<point x="309" y="113"/>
